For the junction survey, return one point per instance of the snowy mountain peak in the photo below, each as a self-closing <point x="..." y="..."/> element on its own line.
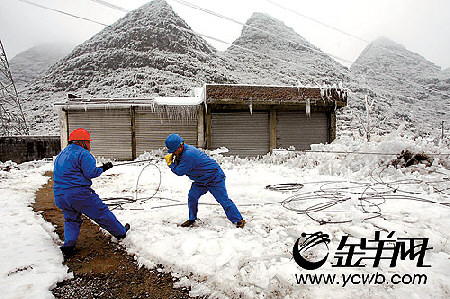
<point x="149" y="52"/>
<point x="153" y="52"/>
<point x="408" y="88"/>
<point x="387" y="57"/>
<point x="152" y="37"/>
<point x="274" y="26"/>
<point x="263" y="28"/>
<point x="152" y="27"/>
<point x="274" y="53"/>
<point x="384" y="41"/>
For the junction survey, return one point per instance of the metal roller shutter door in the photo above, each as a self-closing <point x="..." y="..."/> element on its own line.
<point x="152" y="130"/>
<point x="110" y="131"/>
<point x="244" y="134"/>
<point x="294" y="128"/>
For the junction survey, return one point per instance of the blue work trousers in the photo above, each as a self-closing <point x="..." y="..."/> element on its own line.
<point x="86" y="202"/>
<point x="218" y="190"/>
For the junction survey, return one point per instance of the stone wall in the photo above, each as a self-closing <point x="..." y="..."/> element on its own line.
<point x="28" y="148"/>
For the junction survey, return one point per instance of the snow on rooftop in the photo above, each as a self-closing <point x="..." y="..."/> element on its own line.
<point x="178" y="101"/>
<point x="111" y="103"/>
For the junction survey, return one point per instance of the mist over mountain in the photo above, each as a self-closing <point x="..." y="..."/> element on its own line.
<point x="153" y="52"/>
<point x="408" y="90"/>
<point x="384" y="56"/>
<point x="28" y="65"/>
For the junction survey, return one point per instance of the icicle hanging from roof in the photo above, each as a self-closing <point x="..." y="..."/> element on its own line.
<point x="183" y="113"/>
<point x="184" y="109"/>
<point x="308" y="108"/>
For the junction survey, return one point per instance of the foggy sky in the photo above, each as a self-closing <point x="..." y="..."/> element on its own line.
<point x="422" y="26"/>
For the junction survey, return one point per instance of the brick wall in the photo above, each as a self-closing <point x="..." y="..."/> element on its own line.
<point x="28" y="148"/>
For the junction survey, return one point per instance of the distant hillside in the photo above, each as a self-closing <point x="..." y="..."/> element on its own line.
<point x="408" y="89"/>
<point x="28" y="65"/>
<point x="152" y="51"/>
<point x="384" y="56"/>
<point x="273" y="53"/>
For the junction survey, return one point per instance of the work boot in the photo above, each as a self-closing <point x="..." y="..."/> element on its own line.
<point x="68" y="251"/>
<point x="187" y="223"/>
<point x="240" y="223"/>
<point x="127" y="228"/>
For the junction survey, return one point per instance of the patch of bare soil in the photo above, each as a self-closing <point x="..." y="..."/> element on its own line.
<point x="102" y="269"/>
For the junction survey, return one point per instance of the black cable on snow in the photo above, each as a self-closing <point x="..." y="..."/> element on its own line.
<point x="370" y="199"/>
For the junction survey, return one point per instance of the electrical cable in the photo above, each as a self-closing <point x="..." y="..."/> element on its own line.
<point x="191" y="5"/>
<point x="133" y="162"/>
<point x="291" y="187"/>
<point x="365" y="153"/>
<point x="62" y="12"/>
<point x="137" y="183"/>
<point x="218" y="15"/>
<point x="317" y="21"/>
<point x="360" y="39"/>
<point x="181" y="28"/>
<point x="330" y="194"/>
<point x="369" y="200"/>
<point x="339" y="30"/>
<point x="110" y="5"/>
<point x="118" y="202"/>
<point x="240" y="23"/>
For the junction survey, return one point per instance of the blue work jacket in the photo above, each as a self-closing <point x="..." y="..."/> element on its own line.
<point x="73" y="170"/>
<point x="198" y="166"/>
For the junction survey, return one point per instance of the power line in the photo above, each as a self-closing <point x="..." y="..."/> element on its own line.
<point x="186" y="3"/>
<point x="317" y="21"/>
<point x="122" y="9"/>
<point x="62" y="12"/>
<point x="337" y="29"/>
<point x="182" y="28"/>
<point x="360" y="39"/>
<point x="191" y="5"/>
<point x="246" y="49"/>
<point x="110" y="5"/>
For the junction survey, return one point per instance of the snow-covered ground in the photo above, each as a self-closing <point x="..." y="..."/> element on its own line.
<point x="30" y="260"/>
<point x="215" y="258"/>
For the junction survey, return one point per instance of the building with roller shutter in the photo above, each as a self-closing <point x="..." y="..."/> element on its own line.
<point x="249" y="120"/>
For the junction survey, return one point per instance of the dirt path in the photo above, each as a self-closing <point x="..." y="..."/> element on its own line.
<point x="102" y="269"/>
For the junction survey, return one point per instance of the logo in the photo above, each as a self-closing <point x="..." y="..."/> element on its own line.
<point x="311" y="252"/>
<point x="311" y="240"/>
<point x="360" y="253"/>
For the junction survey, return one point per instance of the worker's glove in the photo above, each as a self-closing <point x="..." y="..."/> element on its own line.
<point x="169" y="159"/>
<point x="107" y="166"/>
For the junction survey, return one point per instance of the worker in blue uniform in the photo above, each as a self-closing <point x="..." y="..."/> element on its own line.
<point x="206" y="174"/>
<point x="74" y="168"/>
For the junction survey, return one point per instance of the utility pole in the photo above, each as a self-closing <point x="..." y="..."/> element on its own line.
<point x="12" y="119"/>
